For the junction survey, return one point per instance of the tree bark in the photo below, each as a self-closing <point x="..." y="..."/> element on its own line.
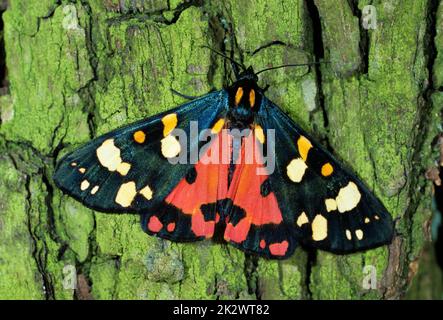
<point x="77" y="69"/>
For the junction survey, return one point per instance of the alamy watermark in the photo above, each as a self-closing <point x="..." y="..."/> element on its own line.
<point x="369" y="277"/>
<point x="369" y="17"/>
<point x="229" y="146"/>
<point x="69" y="277"/>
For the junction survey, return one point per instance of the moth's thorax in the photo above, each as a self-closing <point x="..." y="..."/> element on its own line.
<point x="244" y="101"/>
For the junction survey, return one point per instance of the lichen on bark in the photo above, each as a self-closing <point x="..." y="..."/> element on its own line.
<point x="78" y="69"/>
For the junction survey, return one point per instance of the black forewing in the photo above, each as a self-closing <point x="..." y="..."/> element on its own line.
<point x="148" y="166"/>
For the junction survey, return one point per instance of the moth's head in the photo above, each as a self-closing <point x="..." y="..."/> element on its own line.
<point x="244" y="97"/>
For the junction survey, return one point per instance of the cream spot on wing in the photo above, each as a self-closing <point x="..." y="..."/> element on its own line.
<point x="94" y="190"/>
<point x="331" y="204"/>
<point x="303" y="145"/>
<point x="123" y="168"/>
<point x="367" y="220"/>
<point x="109" y="155"/>
<point x="259" y="134"/>
<point x="296" y="169"/>
<point x="170" y="147"/>
<point x="146" y="192"/>
<point x="348" y="235"/>
<point x="126" y="194"/>
<point x="359" y="234"/>
<point x="319" y="228"/>
<point x="74" y="164"/>
<point x="82" y="170"/>
<point x="348" y="197"/>
<point x="302" y="219"/>
<point x="218" y="126"/>
<point x="84" y="185"/>
<point x="377" y="217"/>
<point x="169" y="122"/>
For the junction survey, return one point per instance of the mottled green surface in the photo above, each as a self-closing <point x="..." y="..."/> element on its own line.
<point x="80" y="68"/>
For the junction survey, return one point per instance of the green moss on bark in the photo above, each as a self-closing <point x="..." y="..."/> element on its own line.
<point x="80" y="68"/>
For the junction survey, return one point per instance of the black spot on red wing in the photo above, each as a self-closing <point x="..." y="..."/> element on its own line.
<point x="265" y="188"/>
<point x="191" y="176"/>
<point x="236" y="215"/>
<point x="209" y="211"/>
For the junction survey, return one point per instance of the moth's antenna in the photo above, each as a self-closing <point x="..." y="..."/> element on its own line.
<point x="226" y="57"/>
<point x="289" y="65"/>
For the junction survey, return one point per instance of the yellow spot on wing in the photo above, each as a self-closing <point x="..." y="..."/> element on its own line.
<point x="303" y="145"/>
<point x="82" y="170"/>
<point x="258" y="130"/>
<point x="302" y="219"/>
<point x="169" y="122"/>
<point x="327" y="169"/>
<point x="252" y="98"/>
<point x="331" y="205"/>
<point x="296" y="169"/>
<point x="348" y="197"/>
<point x="123" y="168"/>
<point x="84" y="185"/>
<point x="170" y="147"/>
<point x="126" y="194"/>
<point x="359" y="234"/>
<point x="319" y="228"/>
<point x="139" y="136"/>
<point x="218" y="126"/>
<point x="238" y="95"/>
<point x="146" y="192"/>
<point x="367" y="220"/>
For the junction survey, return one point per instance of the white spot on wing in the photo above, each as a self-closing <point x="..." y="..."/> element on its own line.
<point x="109" y="157"/>
<point x="348" y="234"/>
<point x="126" y="194"/>
<point x="331" y="205"/>
<point x="319" y="228"/>
<point x="146" y="192"/>
<point x="94" y="190"/>
<point x="296" y="169"/>
<point x="359" y="234"/>
<point x="348" y="197"/>
<point x="170" y="146"/>
<point x="123" y="168"/>
<point x="302" y="219"/>
<point x="84" y="185"/>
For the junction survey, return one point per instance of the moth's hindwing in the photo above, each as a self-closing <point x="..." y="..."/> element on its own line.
<point x="127" y="170"/>
<point x="191" y="209"/>
<point x="326" y="206"/>
<point x="256" y="220"/>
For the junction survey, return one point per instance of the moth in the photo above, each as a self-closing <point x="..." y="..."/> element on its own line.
<point x="308" y="198"/>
